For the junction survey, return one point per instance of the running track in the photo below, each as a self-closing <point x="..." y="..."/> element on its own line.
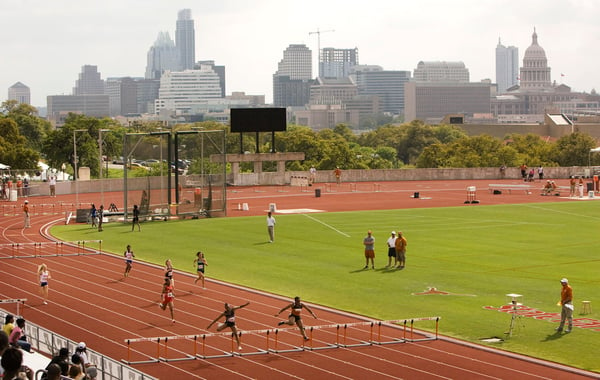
<point x="90" y="301"/>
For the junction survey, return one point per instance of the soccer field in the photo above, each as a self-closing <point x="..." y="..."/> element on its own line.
<point x="471" y="256"/>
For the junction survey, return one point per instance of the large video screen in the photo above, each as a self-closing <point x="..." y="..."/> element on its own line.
<point x="258" y="119"/>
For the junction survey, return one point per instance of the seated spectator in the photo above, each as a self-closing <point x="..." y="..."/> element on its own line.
<point x="3" y="347"/>
<point x="76" y="362"/>
<point x="81" y="350"/>
<point x="75" y="373"/>
<point x="17" y="337"/>
<point x="12" y="362"/>
<point x="9" y="324"/>
<point x="62" y="360"/>
<point x="53" y="372"/>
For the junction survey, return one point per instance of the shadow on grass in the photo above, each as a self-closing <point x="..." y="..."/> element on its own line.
<point x="554" y="336"/>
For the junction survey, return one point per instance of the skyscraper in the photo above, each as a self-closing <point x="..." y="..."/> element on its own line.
<point x="185" y="90"/>
<point x="184" y="39"/>
<point x="292" y="80"/>
<point x="388" y="85"/>
<point x="336" y="63"/>
<point x="20" y="93"/>
<point x="507" y="67"/>
<point x="163" y="55"/>
<point x="89" y="82"/>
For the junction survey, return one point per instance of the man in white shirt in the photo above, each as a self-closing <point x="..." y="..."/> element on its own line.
<point x="271" y="226"/>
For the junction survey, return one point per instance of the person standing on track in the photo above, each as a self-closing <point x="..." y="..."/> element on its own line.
<point x="128" y="254"/>
<point x="294" y="317"/>
<point x="338" y="175"/>
<point x="400" y="251"/>
<point x="229" y="315"/>
<point x="200" y="264"/>
<point x="27" y="220"/>
<point x="169" y="272"/>
<point x="168" y="296"/>
<point x="391" y="243"/>
<point x="43" y="275"/>
<point x="94" y="216"/>
<point x="136" y="218"/>
<point x="369" y="243"/>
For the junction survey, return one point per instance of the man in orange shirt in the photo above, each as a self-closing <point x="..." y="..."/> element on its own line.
<point x="566" y="301"/>
<point x="400" y="251"/>
<point x="26" y="214"/>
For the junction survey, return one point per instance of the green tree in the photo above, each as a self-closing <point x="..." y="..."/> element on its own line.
<point x="574" y="149"/>
<point x="13" y="149"/>
<point x="31" y="126"/>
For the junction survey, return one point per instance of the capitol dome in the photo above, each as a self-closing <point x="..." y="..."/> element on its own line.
<point x="534" y="51"/>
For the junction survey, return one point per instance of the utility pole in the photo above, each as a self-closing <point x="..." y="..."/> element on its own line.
<point x="318" y="33"/>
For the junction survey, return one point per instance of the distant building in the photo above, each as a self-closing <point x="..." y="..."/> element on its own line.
<point x="332" y="91"/>
<point x="220" y="70"/>
<point x="182" y="91"/>
<point x="431" y="101"/>
<point x="185" y="40"/>
<point x="441" y="71"/>
<point x="293" y="78"/>
<point x="507" y="67"/>
<point x="147" y="93"/>
<point x="89" y="82"/>
<point x="59" y="106"/>
<point x="253" y="100"/>
<point x="536" y="93"/>
<point x="19" y="92"/>
<point x="122" y="94"/>
<point x="388" y="85"/>
<point x="336" y="63"/>
<point x="162" y="56"/>
<point x="322" y="116"/>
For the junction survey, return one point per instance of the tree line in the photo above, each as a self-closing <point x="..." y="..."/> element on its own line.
<point x="25" y="139"/>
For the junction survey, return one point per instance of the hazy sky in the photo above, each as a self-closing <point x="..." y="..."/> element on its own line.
<point x="45" y="43"/>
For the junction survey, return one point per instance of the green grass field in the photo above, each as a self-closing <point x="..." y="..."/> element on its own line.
<point x="478" y="254"/>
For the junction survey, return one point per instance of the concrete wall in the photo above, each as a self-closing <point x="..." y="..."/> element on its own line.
<point x="274" y="178"/>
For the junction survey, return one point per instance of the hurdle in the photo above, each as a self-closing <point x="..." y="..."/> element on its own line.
<point x="271" y="336"/>
<point x="18" y="301"/>
<point x="353" y="187"/>
<point x="376" y="187"/>
<point x="51" y="248"/>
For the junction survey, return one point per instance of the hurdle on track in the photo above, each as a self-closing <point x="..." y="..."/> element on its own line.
<point x="267" y="340"/>
<point x="53" y="248"/>
<point x="18" y="301"/>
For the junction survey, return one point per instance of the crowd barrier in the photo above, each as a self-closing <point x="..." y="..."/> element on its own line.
<point x="43" y="249"/>
<point x="223" y="344"/>
<point x="45" y="341"/>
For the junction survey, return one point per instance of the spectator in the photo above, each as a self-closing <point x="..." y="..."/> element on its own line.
<point x="94" y="215"/>
<point x="9" y="324"/>
<point x="312" y="176"/>
<point x="81" y="351"/>
<point x="369" y="243"/>
<point x="541" y="173"/>
<point x="75" y="372"/>
<point x="25" y="187"/>
<point x="401" y="244"/>
<point x="17" y="337"/>
<point x="523" y="169"/>
<point x="52" y="185"/>
<point x="12" y="362"/>
<point x="391" y="242"/>
<point x="61" y="360"/>
<point x="338" y="175"/>
<point x="100" y="217"/>
<point x="3" y="347"/>
<point x="136" y="219"/>
<point x="53" y="372"/>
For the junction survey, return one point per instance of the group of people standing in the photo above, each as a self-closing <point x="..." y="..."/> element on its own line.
<point x="396" y="250"/>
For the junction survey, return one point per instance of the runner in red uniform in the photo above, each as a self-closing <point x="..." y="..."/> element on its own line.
<point x="167" y="298"/>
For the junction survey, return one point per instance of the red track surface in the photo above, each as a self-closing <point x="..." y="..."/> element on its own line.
<point x="90" y="301"/>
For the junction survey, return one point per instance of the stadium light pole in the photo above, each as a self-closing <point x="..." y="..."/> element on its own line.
<point x="101" y="159"/>
<point x="75" y="174"/>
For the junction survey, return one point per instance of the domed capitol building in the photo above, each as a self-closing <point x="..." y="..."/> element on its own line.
<point x="536" y="94"/>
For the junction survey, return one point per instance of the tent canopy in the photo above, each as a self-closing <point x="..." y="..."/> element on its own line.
<point x="4" y="167"/>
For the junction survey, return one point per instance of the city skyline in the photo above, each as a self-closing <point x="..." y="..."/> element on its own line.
<point x="45" y="47"/>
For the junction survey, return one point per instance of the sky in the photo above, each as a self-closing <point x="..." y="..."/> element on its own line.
<point x="45" y="43"/>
